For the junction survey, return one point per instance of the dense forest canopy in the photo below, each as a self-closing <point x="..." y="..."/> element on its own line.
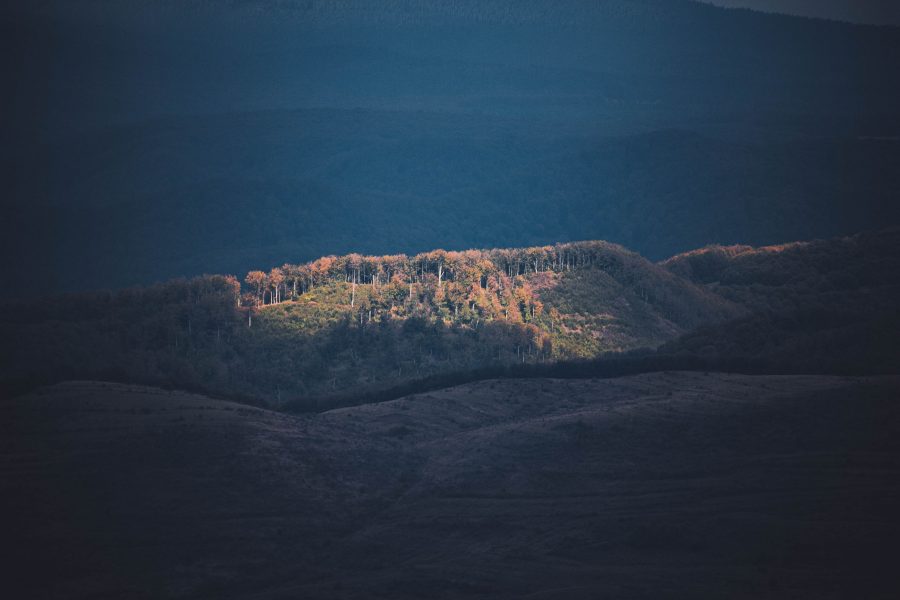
<point x="196" y="137"/>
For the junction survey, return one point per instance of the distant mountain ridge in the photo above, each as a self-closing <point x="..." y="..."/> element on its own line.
<point x="569" y="12"/>
<point x="228" y="193"/>
<point x="179" y="138"/>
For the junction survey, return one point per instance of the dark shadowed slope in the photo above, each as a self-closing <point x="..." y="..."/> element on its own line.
<point x="778" y="277"/>
<point x="188" y="195"/>
<point x="821" y="305"/>
<point x="663" y="485"/>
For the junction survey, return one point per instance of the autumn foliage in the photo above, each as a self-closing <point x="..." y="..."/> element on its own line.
<point x="347" y="326"/>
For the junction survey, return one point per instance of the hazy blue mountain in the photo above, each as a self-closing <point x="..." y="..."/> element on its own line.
<point x="151" y="140"/>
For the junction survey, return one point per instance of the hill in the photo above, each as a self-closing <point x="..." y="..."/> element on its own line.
<point x="347" y="329"/>
<point x="823" y="305"/>
<point x="353" y="323"/>
<point x="228" y="193"/>
<point x="672" y="484"/>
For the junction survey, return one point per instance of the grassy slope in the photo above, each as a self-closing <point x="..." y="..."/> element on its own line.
<point x="664" y="484"/>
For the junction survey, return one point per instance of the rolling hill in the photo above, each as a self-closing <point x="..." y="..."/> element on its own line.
<point x="353" y="323"/>
<point x="662" y="485"/>
<point x="345" y="329"/>
<point x="447" y="299"/>
<point x="825" y="306"/>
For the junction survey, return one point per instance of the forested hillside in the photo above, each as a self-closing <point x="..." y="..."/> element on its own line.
<point x="228" y="193"/>
<point x="344" y="326"/>
<point x="361" y="322"/>
<point x="822" y="305"/>
<point x="198" y="136"/>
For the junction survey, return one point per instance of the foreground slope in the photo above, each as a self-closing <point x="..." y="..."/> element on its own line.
<point x="669" y="484"/>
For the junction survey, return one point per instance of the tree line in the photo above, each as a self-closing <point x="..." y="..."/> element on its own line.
<point x="472" y="284"/>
